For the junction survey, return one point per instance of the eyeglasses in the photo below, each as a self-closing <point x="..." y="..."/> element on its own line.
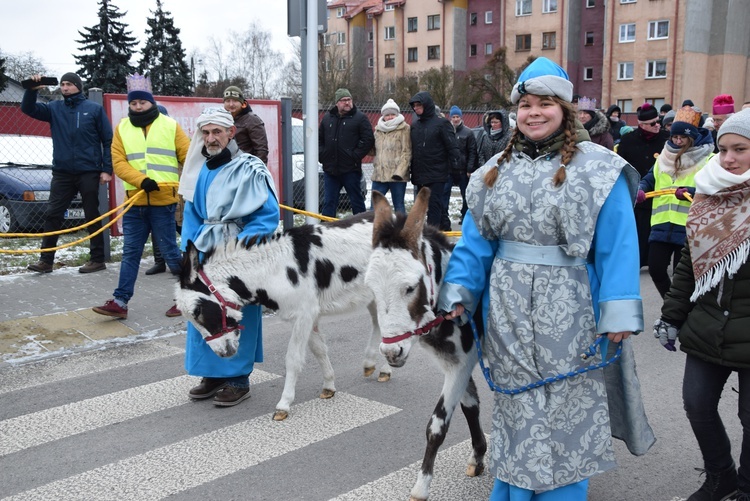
<point x="653" y="123"/>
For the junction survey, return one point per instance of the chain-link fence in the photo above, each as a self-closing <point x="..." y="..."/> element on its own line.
<point x="26" y="167"/>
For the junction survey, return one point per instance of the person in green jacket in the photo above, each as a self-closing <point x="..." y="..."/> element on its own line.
<point x="708" y="306"/>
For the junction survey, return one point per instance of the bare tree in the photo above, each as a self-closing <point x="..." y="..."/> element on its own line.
<point x="490" y="85"/>
<point x="214" y="60"/>
<point x="254" y="59"/>
<point x="439" y="83"/>
<point x="21" y="66"/>
<point x="289" y="83"/>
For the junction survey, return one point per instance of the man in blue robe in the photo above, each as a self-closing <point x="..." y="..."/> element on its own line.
<point x="235" y="191"/>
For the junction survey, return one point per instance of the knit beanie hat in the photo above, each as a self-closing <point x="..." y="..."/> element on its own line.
<point x="342" y="93"/>
<point x="139" y="87"/>
<point x="390" y="105"/>
<point x="723" y="105"/>
<point x="665" y="108"/>
<point x="235" y="93"/>
<point x="687" y="102"/>
<point x="668" y="118"/>
<point x="739" y="124"/>
<point x="455" y="110"/>
<point x="74" y="79"/>
<point x="543" y="77"/>
<point x="647" y="112"/>
<point x="686" y="122"/>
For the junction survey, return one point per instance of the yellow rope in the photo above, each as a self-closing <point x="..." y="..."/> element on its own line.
<point x="669" y="191"/>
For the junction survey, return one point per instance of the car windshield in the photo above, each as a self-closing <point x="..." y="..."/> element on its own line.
<point x="25" y="150"/>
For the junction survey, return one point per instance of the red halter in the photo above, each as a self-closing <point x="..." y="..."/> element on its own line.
<point x="224" y="305"/>
<point x="425" y="328"/>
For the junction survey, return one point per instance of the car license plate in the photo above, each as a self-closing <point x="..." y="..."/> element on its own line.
<point x="74" y="214"/>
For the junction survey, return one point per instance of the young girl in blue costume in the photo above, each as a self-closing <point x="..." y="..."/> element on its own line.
<point x="551" y="250"/>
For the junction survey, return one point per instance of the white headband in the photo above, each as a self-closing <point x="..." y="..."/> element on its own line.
<point x="217" y="116"/>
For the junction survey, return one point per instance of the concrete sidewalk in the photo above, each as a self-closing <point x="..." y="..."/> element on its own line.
<point x="50" y="314"/>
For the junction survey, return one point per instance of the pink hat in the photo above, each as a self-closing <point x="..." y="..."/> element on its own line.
<point x="723" y="104"/>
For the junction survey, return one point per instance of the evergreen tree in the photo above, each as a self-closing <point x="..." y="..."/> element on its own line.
<point x="163" y="58"/>
<point x="109" y="47"/>
<point x="3" y="76"/>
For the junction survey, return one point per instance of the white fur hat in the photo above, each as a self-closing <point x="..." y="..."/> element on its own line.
<point x="390" y="105"/>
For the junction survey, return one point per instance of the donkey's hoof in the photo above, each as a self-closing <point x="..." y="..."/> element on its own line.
<point x="280" y="415"/>
<point x="326" y="393"/>
<point x="369" y="371"/>
<point x="474" y="470"/>
<point x="384" y="377"/>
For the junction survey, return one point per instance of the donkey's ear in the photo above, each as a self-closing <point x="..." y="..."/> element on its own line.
<point x="383" y="215"/>
<point x="190" y="264"/>
<point x="414" y="224"/>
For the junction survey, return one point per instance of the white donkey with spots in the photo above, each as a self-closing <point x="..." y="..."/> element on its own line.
<point x="305" y="272"/>
<point x="405" y="272"/>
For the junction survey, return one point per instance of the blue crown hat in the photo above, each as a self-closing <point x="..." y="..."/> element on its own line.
<point x="139" y="87"/>
<point x="543" y="77"/>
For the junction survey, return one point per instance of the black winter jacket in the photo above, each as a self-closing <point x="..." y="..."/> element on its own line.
<point x="434" y="149"/>
<point x="467" y="148"/>
<point x="488" y="145"/>
<point x="343" y="141"/>
<point x="716" y="328"/>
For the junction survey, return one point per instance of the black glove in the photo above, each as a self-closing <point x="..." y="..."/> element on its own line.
<point x="149" y="185"/>
<point x="666" y="333"/>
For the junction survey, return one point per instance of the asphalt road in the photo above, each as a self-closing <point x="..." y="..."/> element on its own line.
<point x="116" y="423"/>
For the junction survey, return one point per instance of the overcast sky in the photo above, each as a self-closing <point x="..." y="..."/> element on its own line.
<point x="49" y="28"/>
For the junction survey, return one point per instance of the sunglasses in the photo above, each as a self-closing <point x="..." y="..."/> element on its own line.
<point x="651" y="124"/>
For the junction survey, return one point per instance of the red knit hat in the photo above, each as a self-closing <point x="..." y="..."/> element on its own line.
<point x="723" y="104"/>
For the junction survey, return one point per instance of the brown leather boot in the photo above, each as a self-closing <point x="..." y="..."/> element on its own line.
<point x="207" y="388"/>
<point x="231" y="395"/>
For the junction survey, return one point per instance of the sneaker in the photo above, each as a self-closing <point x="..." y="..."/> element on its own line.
<point x="40" y="267"/>
<point x="174" y="311"/>
<point x="207" y="388"/>
<point x="156" y="269"/>
<point x="112" y="309"/>
<point x="91" y="267"/>
<point x="719" y="486"/>
<point x="231" y="395"/>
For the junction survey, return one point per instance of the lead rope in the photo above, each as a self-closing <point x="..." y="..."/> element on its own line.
<point x="590" y="352"/>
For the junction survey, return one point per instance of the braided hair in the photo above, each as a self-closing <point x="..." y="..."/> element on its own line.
<point x="566" y="152"/>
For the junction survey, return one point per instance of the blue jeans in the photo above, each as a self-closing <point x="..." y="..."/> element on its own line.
<point x="137" y="223"/>
<point x="351" y="183"/>
<point x="702" y="386"/>
<point x="398" y="192"/>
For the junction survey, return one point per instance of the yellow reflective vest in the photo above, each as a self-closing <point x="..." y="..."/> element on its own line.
<point x="668" y="208"/>
<point x="153" y="155"/>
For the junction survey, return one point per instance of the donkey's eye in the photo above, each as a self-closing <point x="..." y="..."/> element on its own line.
<point x="410" y="289"/>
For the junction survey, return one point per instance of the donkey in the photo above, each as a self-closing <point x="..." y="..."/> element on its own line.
<point x="305" y="272"/>
<point x="405" y="272"/>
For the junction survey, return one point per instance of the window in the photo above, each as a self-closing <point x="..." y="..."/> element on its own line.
<point x="411" y="24"/>
<point x="473" y="49"/>
<point x="625" y="71"/>
<point x="340" y="11"/>
<point x="327" y="39"/>
<point x="390" y="86"/>
<point x="656" y="68"/>
<point x="473" y="19"/>
<point x="523" y="42"/>
<point x="523" y="7"/>
<point x="588" y="73"/>
<point x="656" y="102"/>
<point x="433" y="22"/>
<point x="340" y="38"/>
<point x="590" y="4"/>
<point x="589" y="38"/>
<point x="370" y="62"/>
<point x="390" y="32"/>
<point x="488" y="17"/>
<point x="342" y="64"/>
<point x="488" y="49"/>
<point x="370" y="36"/>
<point x="327" y="66"/>
<point x="412" y="54"/>
<point x="627" y="1"/>
<point x="658" y="30"/>
<point x="626" y="105"/>
<point x="549" y="40"/>
<point x="390" y="60"/>
<point x="549" y="6"/>
<point x="433" y="52"/>
<point x="389" y="7"/>
<point x="627" y="32"/>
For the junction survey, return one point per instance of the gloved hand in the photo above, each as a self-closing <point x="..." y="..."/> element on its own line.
<point x="149" y="185"/>
<point x="640" y="197"/>
<point x="680" y="193"/>
<point x="666" y="333"/>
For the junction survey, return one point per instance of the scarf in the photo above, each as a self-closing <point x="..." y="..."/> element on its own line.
<point x="144" y="118"/>
<point x="718" y="225"/>
<point x="390" y="125"/>
<point x="550" y="145"/>
<point x="689" y="161"/>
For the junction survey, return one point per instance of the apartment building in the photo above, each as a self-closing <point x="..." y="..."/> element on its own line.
<point x="616" y="51"/>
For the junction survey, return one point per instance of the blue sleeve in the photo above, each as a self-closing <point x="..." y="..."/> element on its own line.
<point x="191" y="223"/>
<point x="648" y="182"/>
<point x="105" y="136"/>
<point x="614" y="273"/>
<point x="468" y="269"/>
<point x="263" y="221"/>
<point x="32" y="108"/>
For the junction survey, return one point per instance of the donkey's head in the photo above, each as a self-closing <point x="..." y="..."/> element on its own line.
<point x="205" y="297"/>
<point x="399" y="274"/>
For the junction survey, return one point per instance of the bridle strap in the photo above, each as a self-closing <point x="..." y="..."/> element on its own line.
<point x="224" y="305"/>
<point x="418" y="332"/>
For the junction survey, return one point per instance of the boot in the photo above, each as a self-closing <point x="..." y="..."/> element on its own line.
<point x="719" y="486"/>
<point x="159" y="265"/>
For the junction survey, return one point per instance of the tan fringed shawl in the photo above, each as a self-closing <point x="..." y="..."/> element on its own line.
<point x="718" y="230"/>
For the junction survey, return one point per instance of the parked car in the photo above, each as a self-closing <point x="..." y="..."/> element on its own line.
<point x="298" y="173"/>
<point x="25" y="178"/>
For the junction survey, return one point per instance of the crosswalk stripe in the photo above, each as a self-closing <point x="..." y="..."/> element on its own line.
<point x="64" y="421"/>
<point x="63" y="368"/>
<point x="153" y="475"/>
